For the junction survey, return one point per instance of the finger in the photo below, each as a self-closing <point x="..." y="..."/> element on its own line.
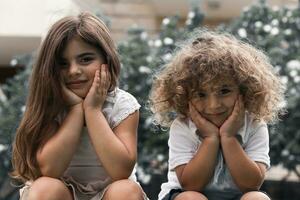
<point x="195" y="115"/>
<point x="96" y="80"/>
<point x="108" y="77"/>
<point x="241" y="106"/>
<point x="191" y="109"/>
<point x="103" y="79"/>
<point x="106" y="83"/>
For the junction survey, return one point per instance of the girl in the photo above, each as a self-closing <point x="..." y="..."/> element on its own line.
<point x="78" y="136"/>
<point x="224" y="92"/>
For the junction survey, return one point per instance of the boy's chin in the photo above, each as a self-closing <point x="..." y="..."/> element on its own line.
<point x="217" y="123"/>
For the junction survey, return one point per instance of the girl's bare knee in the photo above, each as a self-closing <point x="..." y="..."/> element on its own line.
<point x="255" y="195"/>
<point x="124" y="188"/>
<point x="49" y="188"/>
<point x="190" y="195"/>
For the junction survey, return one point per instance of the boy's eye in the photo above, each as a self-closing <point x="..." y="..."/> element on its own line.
<point x="224" y="91"/>
<point x="201" y="94"/>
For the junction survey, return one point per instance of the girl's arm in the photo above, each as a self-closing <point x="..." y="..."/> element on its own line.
<point x="247" y="174"/>
<point x="55" y="155"/>
<point x="198" y="171"/>
<point x="117" y="149"/>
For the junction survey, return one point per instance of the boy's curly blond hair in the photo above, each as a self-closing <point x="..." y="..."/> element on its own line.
<point x="211" y="56"/>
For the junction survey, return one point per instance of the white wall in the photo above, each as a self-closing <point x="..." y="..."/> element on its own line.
<point x="24" y="22"/>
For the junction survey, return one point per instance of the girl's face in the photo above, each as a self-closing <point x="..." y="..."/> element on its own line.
<point x="216" y="100"/>
<point x="78" y="65"/>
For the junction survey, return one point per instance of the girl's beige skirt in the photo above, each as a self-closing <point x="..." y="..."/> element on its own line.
<point x="77" y="195"/>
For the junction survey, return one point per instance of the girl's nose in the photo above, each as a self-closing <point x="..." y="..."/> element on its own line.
<point x="74" y="69"/>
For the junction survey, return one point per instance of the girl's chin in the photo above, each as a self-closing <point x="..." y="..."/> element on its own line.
<point x="81" y="94"/>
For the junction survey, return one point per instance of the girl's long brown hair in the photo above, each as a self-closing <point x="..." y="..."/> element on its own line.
<point x="44" y="102"/>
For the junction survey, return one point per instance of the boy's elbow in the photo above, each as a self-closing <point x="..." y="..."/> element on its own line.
<point x="251" y="186"/>
<point x="191" y="186"/>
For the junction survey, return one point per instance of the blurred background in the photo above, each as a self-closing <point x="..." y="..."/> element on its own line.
<point x="146" y="31"/>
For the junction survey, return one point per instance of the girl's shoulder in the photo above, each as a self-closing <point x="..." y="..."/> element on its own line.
<point x="118" y="95"/>
<point x="118" y="106"/>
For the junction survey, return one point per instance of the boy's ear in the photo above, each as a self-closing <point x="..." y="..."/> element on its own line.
<point x="243" y="89"/>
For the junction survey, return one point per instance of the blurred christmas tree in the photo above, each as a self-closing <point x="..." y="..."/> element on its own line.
<point x="277" y="32"/>
<point x="141" y="57"/>
<point x="12" y="107"/>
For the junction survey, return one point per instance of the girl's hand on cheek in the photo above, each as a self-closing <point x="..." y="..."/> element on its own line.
<point x="235" y="121"/>
<point x="205" y="127"/>
<point x="98" y="91"/>
<point x="70" y="97"/>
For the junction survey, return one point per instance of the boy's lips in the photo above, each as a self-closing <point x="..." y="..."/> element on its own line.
<point x="215" y="114"/>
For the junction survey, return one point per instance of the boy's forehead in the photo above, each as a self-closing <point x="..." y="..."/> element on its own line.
<point x="218" y="82"/>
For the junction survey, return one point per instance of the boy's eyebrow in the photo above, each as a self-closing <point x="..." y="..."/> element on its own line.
<point x="225" y="86"/>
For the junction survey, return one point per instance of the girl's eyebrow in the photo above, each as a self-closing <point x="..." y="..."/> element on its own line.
<point x="86" y="54"/>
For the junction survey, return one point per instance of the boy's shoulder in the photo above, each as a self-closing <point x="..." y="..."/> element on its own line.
<point x="183" y="126"/>
<point x="252" y="123"/>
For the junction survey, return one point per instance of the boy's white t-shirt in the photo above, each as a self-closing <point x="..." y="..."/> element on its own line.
<point x="184" y="143"/>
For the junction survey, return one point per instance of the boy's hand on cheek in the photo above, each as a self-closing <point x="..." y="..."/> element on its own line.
<point x="98" y="91"/>
<point x="205" y="128"/>
<point x="235" y="121"/>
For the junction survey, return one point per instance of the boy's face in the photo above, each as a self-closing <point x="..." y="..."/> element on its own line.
<point x="215" y="101"/>
<point x="78" y="65"/>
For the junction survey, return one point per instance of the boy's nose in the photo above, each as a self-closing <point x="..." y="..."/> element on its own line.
<point x="213" y="102"/>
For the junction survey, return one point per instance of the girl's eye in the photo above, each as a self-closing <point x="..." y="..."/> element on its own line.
<point x="85" y="60"/>
<point x="63" y="64"/>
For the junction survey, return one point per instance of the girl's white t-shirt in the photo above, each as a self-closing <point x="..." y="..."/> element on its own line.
<point x="184" y="143"/>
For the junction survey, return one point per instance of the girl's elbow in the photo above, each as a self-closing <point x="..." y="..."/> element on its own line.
<point x="49" y="172"/>
<point x="123" y="173"/>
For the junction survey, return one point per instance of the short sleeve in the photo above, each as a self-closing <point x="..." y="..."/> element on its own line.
<point x="125" y="105"/>
<point x="182" y="144"/>
<point x="257" y="147"/>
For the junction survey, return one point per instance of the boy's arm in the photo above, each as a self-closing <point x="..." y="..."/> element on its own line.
<point x="117" y="148"/>
<point x="55" y="155"/>
<point x="198" y="171"/>
<point x="246" y="173"/>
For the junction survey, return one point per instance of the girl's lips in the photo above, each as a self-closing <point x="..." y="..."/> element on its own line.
<point x="76" y="84"/>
